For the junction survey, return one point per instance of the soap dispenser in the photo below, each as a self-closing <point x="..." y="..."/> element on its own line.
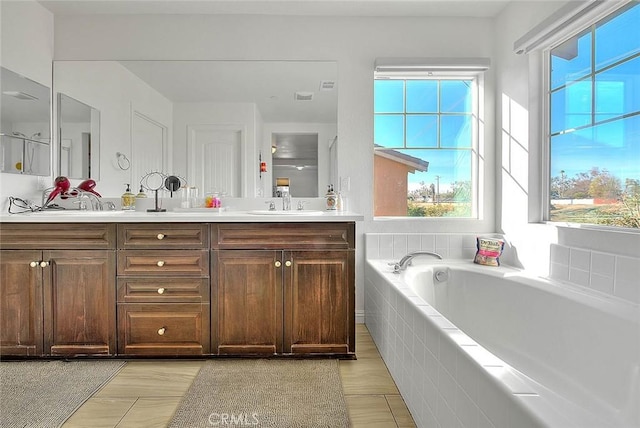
<point x="141" y="193"/>
<point x="330" y="198"/>
<point x="128" y="200"/>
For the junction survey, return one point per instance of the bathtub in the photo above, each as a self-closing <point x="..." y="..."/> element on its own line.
<point x="471" y="345"/>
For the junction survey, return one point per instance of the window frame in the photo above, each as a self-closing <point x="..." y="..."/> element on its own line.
<point x="477" y="77"/>
<point x="576" y="28"/>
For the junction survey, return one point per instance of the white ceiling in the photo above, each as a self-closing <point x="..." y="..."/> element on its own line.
<point x="271" y="85"/>
<point x="471" y="8"/>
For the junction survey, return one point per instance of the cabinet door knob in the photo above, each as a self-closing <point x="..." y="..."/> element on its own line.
<point x="161" y="290"/>
<point x="34" y="264"/>
<point x="44" y="264"/>
<point x="160" y="263"/>
<point x="161" y="331"/>
<point x="161" y="236"/>
<point x="287" y="263"/>
<point x="277" y="263"/>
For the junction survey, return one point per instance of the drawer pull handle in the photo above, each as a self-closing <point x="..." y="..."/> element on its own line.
<point x="277" y="263"/>
<point x="34" y="264"/>
<point x="161" y="331"/>
<point x="161" y="236"/>
<point x="160" y="263"/>
<point x="161" y="290"/>
<point x="44" y="264"/>
<point x="287" y="263"/>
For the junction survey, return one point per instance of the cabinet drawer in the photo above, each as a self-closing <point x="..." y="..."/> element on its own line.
<point x="283" y="235"/>
<point x="72" y="236"/>
<point x="163" y="235"/>
<point x="158" y="290"/>
<point x="164" y="263"/>
<point x="163" y="329"/>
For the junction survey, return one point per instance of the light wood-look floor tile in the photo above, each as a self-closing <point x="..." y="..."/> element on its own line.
<point x="100" y="413"/>
<point x="366" y="376"/>
<point x="400" y="412"/>
<point x="369" y="411"/>
<point x="152" y="379"/>
<point x="145" y="394"/>
<point x="150" y="413"/>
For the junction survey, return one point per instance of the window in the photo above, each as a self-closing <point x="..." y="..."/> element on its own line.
<point x="425" y="140"/>
<point x="594" y="123"/>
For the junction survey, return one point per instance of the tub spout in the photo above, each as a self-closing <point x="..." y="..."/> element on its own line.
<point x="406" y="260"/>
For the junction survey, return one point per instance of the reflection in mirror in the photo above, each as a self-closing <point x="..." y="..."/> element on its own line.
<point x="24" y="125"/>
<point x="295" y="157"/>
<point x="79" y="145"/>
<point x="211" y="122"/>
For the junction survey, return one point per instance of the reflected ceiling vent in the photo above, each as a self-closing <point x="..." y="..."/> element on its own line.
<point x="303" y="96"/>
<point x="20" y="95"/>
<point x="327" y="85"/>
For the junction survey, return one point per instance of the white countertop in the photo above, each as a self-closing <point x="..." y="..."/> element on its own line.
<point x="200" y="216"/>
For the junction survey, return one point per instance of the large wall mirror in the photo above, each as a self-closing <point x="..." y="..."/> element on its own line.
<point x="211" y="122"/>
<point x="79" y="139"/>
<point x="25" y="110"/>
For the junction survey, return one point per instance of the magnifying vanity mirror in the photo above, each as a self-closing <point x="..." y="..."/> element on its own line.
<point x="213" y="122"/>
<point x="79" y="139"/>
<point x="25" y="142"/>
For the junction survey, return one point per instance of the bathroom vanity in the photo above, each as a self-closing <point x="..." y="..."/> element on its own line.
<point x="183" y="284"/>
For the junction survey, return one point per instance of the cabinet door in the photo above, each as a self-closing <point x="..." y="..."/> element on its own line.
<point x="249" y="302"/>
<point x="79" y="302"/>
<point x="319" y="304"/>
<point x="20" y="303"/>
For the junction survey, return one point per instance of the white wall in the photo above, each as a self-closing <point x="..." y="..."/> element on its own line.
<point x="116" y="93"/>
<point x="26" y="50"/>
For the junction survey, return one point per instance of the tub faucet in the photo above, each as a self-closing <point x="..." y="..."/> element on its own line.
<point x="406" y="260"/>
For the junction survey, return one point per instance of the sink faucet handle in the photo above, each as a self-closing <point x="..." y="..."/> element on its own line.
<point x="110" y="205"/>
<point x="301" y="205"/>
<point x="272" y="205"/>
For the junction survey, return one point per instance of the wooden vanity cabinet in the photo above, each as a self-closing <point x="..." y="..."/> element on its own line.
<point x="21" y="303"/>
<point x="284" y="288"/>
<point x="163" y="289"/>
<point x="61" y="292"/>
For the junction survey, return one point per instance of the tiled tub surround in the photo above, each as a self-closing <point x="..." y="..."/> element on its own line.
<point x="579" y="350"/>
<point x="607" y="273"/>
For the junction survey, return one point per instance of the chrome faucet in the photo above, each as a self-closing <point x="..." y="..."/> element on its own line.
<point x="406" y="260"/>
<point x="96" y="205"/>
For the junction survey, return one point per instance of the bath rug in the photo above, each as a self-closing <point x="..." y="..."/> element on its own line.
<point x="265" y="393"/>
<point x="46" y="393"/>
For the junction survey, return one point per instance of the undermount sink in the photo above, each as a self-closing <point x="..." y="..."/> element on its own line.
<point x="287" y="213"/>
<point x="77" y="213"/>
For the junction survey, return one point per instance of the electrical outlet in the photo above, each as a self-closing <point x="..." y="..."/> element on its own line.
<point x="345" y="184"/>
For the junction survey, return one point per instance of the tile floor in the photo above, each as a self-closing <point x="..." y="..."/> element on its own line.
<point x="144" y="394"/>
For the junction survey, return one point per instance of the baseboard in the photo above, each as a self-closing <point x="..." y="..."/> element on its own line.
<point x="360" y="316"/>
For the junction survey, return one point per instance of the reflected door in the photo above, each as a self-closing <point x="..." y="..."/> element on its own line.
<point x="149" y="146"/>
<point x="214" y="159"/>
